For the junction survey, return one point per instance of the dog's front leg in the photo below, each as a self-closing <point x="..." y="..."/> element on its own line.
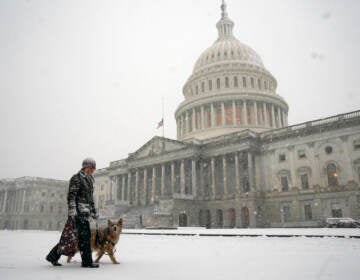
<point x="112" y="257"/>
<point x="99" y="255"/>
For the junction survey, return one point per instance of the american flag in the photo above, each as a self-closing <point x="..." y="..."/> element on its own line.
<point x="160" y="124"/>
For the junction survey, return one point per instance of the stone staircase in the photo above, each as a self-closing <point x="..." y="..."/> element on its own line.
<point x="132" y="215"/>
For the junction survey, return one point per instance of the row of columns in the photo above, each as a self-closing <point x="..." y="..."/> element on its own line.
<point x="12" y="201"/>
<point x="126" y="182"/>
<point x="271" y="116"/>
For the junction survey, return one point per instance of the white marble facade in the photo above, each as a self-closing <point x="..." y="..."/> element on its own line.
<point x="236" y="162"/>
<point x="33" y="203"/>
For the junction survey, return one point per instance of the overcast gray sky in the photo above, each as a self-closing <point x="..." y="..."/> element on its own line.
<point x="86" y="78"/>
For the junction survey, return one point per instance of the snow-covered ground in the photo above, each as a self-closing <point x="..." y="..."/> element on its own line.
<point x="157" y="257"/>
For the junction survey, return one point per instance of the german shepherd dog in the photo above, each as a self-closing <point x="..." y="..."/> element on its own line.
<point x="104" y="240"/>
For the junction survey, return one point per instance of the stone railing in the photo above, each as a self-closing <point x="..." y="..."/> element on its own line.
<point x="315" y="125"/>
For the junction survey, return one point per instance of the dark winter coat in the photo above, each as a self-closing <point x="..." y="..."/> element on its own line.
<point x="80" y="196"/>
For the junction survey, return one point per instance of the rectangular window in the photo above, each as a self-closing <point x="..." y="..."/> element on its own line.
<point x="210" y="84"/>
<point x="284" y="183"/>
<point x="287" y="213"/>
<point x="282" y="157"/>
<point x="259" y="83"/>
<point x="304" y="181"/>
<point x="202" y="87"/>
<point x="301" y="154"/>
<point x="252" y="82"/>
<point x="357" y="145"/>
<point x="308" y="212"/>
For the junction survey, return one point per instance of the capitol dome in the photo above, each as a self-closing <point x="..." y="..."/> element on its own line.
<point x="229" y="90"/>
<point x="227" y="50"/>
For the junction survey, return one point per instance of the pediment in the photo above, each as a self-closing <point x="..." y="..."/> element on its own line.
<point x="158" y="146"/>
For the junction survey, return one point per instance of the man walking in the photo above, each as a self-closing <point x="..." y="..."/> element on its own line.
<point x="80" y="208"/>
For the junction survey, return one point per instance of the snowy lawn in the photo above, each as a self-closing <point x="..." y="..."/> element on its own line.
<point x="22" y="256"/>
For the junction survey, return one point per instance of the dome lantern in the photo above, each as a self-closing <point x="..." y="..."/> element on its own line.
<point x="225" y="25"/>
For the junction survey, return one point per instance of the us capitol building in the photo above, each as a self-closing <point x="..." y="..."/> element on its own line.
<point x="236" y="162"/>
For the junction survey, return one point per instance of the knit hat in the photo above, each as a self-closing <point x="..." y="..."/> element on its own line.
<point x="89" y="162"/>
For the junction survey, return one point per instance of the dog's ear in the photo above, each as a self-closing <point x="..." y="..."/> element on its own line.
<point x="109" y="223"/>
<point x="120" y="222"/>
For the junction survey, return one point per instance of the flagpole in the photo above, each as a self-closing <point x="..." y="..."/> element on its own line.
<point x="163" y="127"/>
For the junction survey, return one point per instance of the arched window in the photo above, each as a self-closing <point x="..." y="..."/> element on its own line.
<point x="218" y="83"/>
<point x="332" y="174"/>
<point x="244" y="82"/>
<point x="265" y="85"/>
<point x="252" y="82"/>
<point x="236" y="82"/>
<point x="210" y="84"/>
<point x="227" y="82"/>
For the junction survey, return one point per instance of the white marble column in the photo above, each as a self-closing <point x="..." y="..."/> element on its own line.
<point x="279" y="117"/>
<point x="23" y="200"/>
<point x="213" y="186"/>
<point x="233" y="113"/>
<point x="202" y="118"/>
<point x="250" y="171"/>
<point x="153" y="185"/>
<point x="5" y="199"/>
<point x="137" y="187"/>
<point x="162" y="180"/>
<point x="187" y="122"/>
<point x="266" y="121"/>
<point x="237" y="175"/>
<point x="129" y="186"/>
<point x="256" y="114"/>
<point x="183" y="125"/>
<point x="182" y="177"/>
<point x="145" y="186"/>
<point x="123" y="187"/>
<point x="284" y="118"/>
<point x="172" y="178"/>
<point x="245" y="113"/>
<point x="213" y="124"/>
<point x="224" y="173"/>
<point x="273" y="116"/>
<point x="223" y="116"/>
<point x="193" y="177"/>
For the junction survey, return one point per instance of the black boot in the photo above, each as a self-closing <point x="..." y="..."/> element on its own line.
<point x="54" y="256"/>
<point x="90" y="265"/>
